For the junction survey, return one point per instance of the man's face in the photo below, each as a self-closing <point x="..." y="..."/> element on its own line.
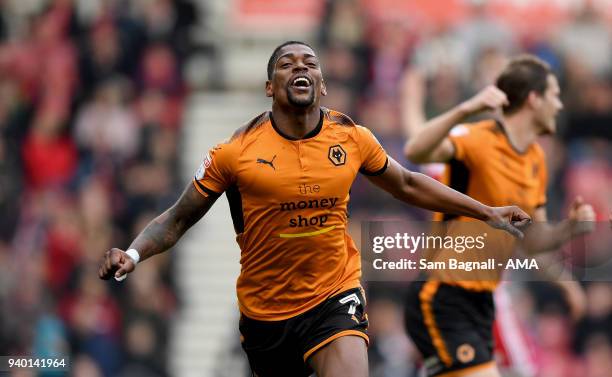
<point x="297" y="79"/>
<point x="547" y="109"/>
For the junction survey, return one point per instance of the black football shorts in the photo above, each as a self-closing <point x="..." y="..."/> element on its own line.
<point x="451" y="326"/>
<point x="282" y="348"/>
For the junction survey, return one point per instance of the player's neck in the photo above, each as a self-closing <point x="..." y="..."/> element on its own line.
<point x="296" y="124"/>
<point x="520" y="130"/>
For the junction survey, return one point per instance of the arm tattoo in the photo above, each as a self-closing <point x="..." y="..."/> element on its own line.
<point x="166" y="229"/>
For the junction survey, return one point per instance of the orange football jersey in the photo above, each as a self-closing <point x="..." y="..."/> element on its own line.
<point x="288" y="200"/>
<point x="489" y="169"/>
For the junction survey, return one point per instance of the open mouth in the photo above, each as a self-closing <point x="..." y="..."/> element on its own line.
<point x="301" y="82"/>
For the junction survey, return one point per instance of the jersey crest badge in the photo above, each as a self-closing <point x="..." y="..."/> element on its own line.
<point x="337" y="155"/>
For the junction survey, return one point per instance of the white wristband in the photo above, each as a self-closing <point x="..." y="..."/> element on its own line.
<point x="133" y="253"/>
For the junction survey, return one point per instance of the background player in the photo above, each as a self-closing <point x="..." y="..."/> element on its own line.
<point x="287" y="176"/>
<point x="495" y="161"/>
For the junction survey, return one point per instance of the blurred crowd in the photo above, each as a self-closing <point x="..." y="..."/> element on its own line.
<point x="91" y="100"/>
<point x="388" y="70"/>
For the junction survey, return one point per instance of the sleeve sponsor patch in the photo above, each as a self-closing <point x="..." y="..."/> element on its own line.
<point x="459" y="130"/>
<point x="199" y="175"/>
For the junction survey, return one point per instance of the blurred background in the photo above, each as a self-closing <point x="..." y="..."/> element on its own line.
<point x="108" y="106"/>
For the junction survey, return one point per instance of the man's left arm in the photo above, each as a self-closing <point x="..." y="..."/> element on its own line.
<point x="425" y="192"/>
<point x="541" y="236"/>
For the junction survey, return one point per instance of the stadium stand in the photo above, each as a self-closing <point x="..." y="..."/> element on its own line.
<point x="106" y="109"/>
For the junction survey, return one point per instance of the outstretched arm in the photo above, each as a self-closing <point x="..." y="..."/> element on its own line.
<point x="160" y="234"/>
<point x="542" y="236"/>
<point x="430" y="142"/>
<point x="422" y="191"/>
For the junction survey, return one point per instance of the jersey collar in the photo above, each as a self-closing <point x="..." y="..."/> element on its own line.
<point x="501" y="127"/>
<point x="309" y="135"/>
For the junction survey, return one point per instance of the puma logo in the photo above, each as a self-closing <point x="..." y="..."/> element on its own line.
<point x="266" y="162"/>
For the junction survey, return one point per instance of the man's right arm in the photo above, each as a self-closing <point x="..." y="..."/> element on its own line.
<point x="431" y="143"/>
<point x="160" y="234"/>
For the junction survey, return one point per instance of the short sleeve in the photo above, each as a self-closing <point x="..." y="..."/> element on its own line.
<point x="216" y="173"/>
<point x="373" y="157"/>
<point x="543" y="181"/>
<point x="467" y="143"/>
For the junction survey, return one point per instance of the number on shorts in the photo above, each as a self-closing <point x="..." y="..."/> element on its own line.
<point x="353" y="299"/>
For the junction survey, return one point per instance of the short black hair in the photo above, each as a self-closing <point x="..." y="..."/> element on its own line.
<point x="524" y="74"/>
<point x="276" y="53"/>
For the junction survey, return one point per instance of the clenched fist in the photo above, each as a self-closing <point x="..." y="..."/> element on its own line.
<point x="581" y="216"/>
<point x="509" y="218"/>
<point x="490" y="98"/>
<point x="115" y="263"/>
